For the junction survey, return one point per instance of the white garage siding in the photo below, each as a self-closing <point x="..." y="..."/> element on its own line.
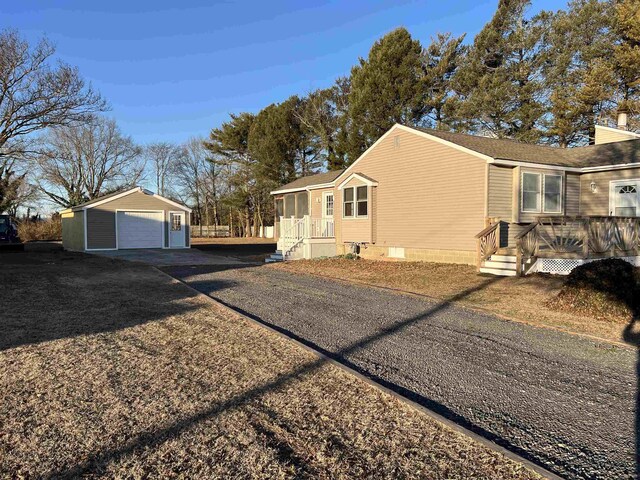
<point x="138" y="229"/>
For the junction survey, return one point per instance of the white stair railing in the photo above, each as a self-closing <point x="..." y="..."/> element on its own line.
<point x="292" y="232"/>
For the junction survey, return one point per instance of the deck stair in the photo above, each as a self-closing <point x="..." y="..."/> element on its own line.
<point x="501" y="264"/>
<point x="275" y="257"/>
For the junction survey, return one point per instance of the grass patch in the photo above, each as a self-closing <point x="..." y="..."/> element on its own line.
<point x="524" y="299"/>
<point x="109" y="369"/>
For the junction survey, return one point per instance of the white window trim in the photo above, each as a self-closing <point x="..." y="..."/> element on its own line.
<point x="355" y="215"/>
<point x="612" y="186"/>
<point x="541" y="203"/>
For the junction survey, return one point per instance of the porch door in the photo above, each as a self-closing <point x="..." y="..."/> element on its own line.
<point x="327" y="214"/>
<point x="625" y="201"/>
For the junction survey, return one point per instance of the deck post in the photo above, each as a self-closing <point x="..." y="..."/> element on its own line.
<point x="585" y="243"/>
<point x="478" y="254"/>
<point x="519" y="257"/>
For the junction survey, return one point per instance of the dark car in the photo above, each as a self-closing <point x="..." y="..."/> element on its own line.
<point x="8" y="230"/>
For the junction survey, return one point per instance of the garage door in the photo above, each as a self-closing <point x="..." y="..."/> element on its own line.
<point x="140" y="229"/>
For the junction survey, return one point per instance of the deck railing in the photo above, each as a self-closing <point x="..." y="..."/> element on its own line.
<point x="581" y="237"/>
<point x="488" y="242"/>
<point x="295" y="230"/>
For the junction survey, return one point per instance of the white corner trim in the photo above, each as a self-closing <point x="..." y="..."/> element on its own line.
<point x="369" y="183"/>
<point x="84" y="222"/>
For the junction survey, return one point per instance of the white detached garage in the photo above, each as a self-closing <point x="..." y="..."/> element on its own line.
<point x="135" y="218"/>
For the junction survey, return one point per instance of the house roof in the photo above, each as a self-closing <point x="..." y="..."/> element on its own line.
<point x="309" y="181"/>
<point x="618" y="153"/>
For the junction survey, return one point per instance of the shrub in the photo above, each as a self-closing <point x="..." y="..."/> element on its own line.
<point x="30" y="230"/>
<point x="606" y="289"/>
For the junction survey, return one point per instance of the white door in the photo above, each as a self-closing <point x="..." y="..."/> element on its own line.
<point x="176" y="229"/>
<point x="625" y="201"/>
<point x="327" y="214"/>
<point x="140" y="229"/>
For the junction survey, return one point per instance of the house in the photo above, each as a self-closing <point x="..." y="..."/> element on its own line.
<point x="505" y="206"/>
<point x="135" y="218"/>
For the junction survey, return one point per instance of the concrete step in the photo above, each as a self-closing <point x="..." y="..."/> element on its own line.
<point x="503" y="258"/>
<point x="498" y="271"/>
<point x="503" y="265"/>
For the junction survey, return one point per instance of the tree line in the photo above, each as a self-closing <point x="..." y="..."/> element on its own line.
<point x="547" y="78"/>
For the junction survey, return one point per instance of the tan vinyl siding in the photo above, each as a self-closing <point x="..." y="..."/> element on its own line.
<point x="316" y="201"/>
<point x="101" y="232"/>
<point x="501" y="192"/>
<point x="356" y="229"/>
<point x="429" y="195"/>
<point x="572" y="194"/>
<point x="598" y="203"/>
<point x="73" y="231"/>
<point x="610" y="135"/>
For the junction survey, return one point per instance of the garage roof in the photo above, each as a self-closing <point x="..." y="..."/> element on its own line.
<point x="112" y="196"/>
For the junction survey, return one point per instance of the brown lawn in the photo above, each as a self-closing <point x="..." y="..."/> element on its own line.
<point x="521" y="299"/>
<point x="111" y="369"/>
<point x="229" y="240"/>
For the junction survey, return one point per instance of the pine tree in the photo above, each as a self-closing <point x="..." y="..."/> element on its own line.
<point x="498" y="86"/>
<point x="626" y="54"/>
<point x="386" y="88"/>
<point x="578" y="71"/>
<point x="440" y="62"/>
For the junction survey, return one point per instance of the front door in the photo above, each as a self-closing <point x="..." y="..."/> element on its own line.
<point x="625" y="201"/>
<point x="327" y="214"/>
<point x="176" y="230"/>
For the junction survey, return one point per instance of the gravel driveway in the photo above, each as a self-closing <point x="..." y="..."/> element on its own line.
<point x="564" y="401"/>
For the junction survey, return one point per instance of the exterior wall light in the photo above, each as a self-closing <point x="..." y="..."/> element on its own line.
<point x="594" y="187"/>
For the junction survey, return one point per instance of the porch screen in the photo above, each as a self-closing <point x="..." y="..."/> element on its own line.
<point x="279" y="208"/>
<point x="289" y="205"/>
<point x="302" y="204"/>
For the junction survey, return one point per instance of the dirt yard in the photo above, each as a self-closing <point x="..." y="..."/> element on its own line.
<point x="521" y="299"/>
<point x="111" y="369"/>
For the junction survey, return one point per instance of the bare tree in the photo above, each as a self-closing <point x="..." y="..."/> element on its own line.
<point x="35" y="95"/>
<point x="83" y="162"/>
<point x="163" y="157"/>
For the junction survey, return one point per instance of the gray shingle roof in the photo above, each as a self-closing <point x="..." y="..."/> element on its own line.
<point x="595" y="155"/>
<point x="317" y="179"/>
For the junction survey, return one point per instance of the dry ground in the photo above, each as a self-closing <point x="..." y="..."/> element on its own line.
<point x="112" y="369"/>
<point x="521" y="299"/>
<point x="229" y="240"/>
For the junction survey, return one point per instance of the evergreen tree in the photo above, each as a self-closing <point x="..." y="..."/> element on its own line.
<point x="498" y="86"/>
<point x="578" y="72"/>
<point x="440" y="62"/>
<point x="386" y="88"/>
<point x="626" y="54"/>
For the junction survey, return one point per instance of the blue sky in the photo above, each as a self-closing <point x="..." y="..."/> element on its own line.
<point x="174" y="69"/>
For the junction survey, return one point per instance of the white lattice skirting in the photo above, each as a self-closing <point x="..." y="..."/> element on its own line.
<point x="562" y="266"/>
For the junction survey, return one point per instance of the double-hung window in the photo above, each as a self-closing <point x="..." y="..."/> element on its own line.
<point x="541" y="193"/>
<point x="348" y="210"/>
<point x="355" y="202"/>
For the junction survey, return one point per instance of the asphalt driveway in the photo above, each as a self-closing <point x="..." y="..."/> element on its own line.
<point x="564" y="401"/>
